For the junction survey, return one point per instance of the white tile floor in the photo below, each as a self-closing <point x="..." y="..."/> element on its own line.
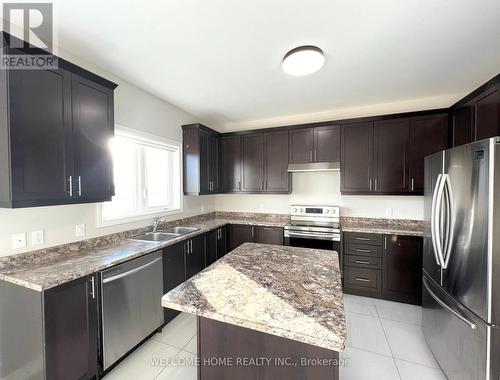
<point x="384" y="341"/>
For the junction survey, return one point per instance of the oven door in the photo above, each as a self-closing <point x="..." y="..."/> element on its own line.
<point x="315" y="240"/>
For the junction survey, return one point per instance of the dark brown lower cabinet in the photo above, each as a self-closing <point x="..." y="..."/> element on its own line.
<point x="402" y="272"/>
<point x="239" y="234"/>
<point x="195" y="255"/>
<point x="70" y="312"/>
<point x="269" y="235"/>
<point x="383" y="266"/>
<point x="174" y="273"/>
<point x="216" y="245"/>
<point x="219" y="341"/>
<point x="242" y="233"/>
<point x="50" y="334"/>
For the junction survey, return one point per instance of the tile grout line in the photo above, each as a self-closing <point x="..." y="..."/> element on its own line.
<point x="388" y="344"/>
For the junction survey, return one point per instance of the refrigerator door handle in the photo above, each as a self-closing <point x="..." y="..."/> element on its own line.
<point x="450" y="221"/>
<point x="437" y="220"/>
<point x="434" y="221"/>
<point x="443" y="304"/>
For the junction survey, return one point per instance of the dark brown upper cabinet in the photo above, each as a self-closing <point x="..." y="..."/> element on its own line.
<point x="428" y="135"/>
<point x="55" y="131"/>
<point x="315" y="144"/>
<point x="276" y="176"/>
<point x="477" y="116"/>
<point x="356" y="164"/>
<point x="252" y="178"/>
<point x="256" y="163"/>
<point x="200" y="159"/>
<point x="391" y="156"/>
<point x="230" y="147"/>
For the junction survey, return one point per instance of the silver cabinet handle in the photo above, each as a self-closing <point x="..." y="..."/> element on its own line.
<point x="239" y="185"/>
<point x="362" y="250"/>
<point x="135" y="270"/>
<point x="190" y="246"/>
<point x="315" y="155"/>
<point x="92" y="287"/>
<point x="362" y="238"/>
<point x="362" y="279"/>
<point x="472" y="325"/>
<point x="79" y="181"/>
<point x="310" y="155"/>
<point x="70" y="185"/>
<point x="370" y="184"/>
<point x="361" y="262"/>
<point x="375" y="184"/>
<point x="253" y="231"/>
<point x="412" y="186"/>
<point x="385" y="243"/>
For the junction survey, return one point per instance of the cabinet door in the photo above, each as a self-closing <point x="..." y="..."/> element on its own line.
<point x="231" y="163"/>
<point x="191" y="160"/>
<point x="301" y="145"/>
<point x="213" y="164"/>
<point x="253" y="163"/>
<point x="391" y="156"/>
<point x="195" y="256"/>
<point x="487" y="118"/>
<point x="204" y="162"/>
<point x="277" y="178"/>
<point x="428" y="134"/>
<point x="269" y="235"/>
<point x="212" y="246"/>
<point x="462" y="126"/>
<point x="40" y="132"/>
<point x="239" y="234"/>
<point x="70" y="313"/>
<point x="402" y="278"/>
<point x="93" y="129"/>
<point x="356" y="175"/>
<point x="327" y="144"/>
<point x="222" y="243"/>
<point x="174" y="273"/>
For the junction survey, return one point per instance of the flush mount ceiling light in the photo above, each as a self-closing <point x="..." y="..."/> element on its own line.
<point x="303" y="60"/>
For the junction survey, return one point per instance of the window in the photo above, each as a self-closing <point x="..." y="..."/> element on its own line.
<point x="146" y="175"/>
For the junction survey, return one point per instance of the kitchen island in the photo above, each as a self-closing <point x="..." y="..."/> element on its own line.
<point x="267" y="312"/>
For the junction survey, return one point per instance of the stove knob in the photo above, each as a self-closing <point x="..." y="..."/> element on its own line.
<point x="295" y="209"/>
<point x="333" y="211"/>
<point x="327" y="210"/>
<point x="301" y="210"/>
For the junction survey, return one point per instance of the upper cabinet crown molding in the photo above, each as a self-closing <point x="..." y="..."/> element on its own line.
<point x="55" y="129"/>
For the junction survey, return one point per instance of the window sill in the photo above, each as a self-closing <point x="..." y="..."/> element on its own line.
<point x="134" y="218"/>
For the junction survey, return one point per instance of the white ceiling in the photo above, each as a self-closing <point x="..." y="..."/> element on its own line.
<point x="220" y="59"/>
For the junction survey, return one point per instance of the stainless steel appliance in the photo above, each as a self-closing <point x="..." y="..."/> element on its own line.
<point x="130" y="305"/>
<point x="313" y="227"/>
<point x="461" y="261"/>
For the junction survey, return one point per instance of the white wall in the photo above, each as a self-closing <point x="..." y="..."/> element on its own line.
<point x="324" y="188"/>
<point x="134" y="108"/>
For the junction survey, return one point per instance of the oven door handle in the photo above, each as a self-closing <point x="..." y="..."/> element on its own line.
<point x="312" y="236"/>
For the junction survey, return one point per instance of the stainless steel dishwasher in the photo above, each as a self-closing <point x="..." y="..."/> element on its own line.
<point x="130" y="305"/>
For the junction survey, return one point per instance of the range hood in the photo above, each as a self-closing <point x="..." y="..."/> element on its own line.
<point x="315" y="167"/>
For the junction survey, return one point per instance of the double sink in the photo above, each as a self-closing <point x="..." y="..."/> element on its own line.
<point x="166" y="234"/>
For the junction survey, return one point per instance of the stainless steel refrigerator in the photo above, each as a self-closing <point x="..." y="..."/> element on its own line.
<point x="461" y="261"/>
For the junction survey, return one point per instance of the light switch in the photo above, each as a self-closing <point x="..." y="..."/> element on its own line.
<point x="80" y="230"/>
<point x="37" y="237"/>
<point x="19" y="240"/>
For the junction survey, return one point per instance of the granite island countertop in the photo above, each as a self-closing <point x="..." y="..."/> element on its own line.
<point x="50" y="267"/>
<point x="295" y="293"/>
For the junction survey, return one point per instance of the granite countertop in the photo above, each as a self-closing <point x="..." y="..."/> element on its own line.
<point x="383" y="226"/>
<point x="295" y="293"/>
<point x="45" y="269"/>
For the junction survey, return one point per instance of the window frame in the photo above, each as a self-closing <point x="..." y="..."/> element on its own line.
<point x="145" y="213"/>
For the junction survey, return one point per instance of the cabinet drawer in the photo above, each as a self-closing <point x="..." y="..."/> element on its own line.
<point x="363" y="238"/>
<point x="362" y="279"/>
<point x="363" y="250"/>
<point x="363" y="262"/>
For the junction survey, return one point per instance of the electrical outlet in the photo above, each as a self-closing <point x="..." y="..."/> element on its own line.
<point x="202" y="208"/>
<point x="37" y="237"/>
<point x="80" y="230"/>
<point x="388" y="212"/>
<point x="19" y="240"/>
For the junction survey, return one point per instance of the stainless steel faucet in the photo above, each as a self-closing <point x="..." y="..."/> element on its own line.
<point x="157" y="222"/>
